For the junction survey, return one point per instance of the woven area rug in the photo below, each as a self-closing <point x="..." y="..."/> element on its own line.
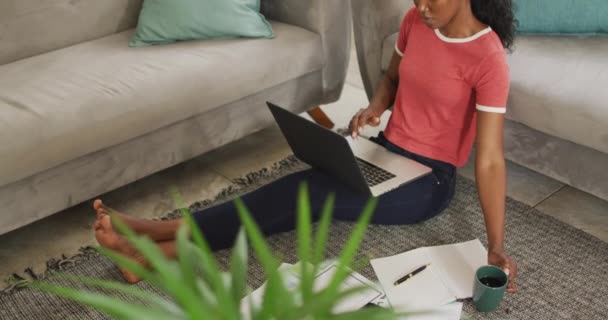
<point x="563" y="271"/>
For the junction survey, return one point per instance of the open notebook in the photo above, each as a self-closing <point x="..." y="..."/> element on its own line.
<point x="449" y="277"/>
<point x="291" y="277"/>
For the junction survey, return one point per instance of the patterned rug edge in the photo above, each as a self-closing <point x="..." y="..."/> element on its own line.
<point x="239" y="185"/>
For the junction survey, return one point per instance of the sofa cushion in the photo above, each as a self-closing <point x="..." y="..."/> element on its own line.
<point x="162" y="21"/>
<point x="31" y="27"/>
<point x="561" y="17"/>
<point x="558" y="86"/>
<point x="65" y="104"/>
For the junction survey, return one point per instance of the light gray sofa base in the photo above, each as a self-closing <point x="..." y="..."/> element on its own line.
<point x="79" y="180"/>
<point x="573" y="164"/>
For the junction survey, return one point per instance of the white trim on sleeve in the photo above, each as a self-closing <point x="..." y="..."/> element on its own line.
<point x="398" y="51"/>
<point x="491" y="109"/>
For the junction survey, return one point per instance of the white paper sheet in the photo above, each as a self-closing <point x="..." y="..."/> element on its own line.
<point x="458" y="263"/>
<point x="355" y="280"/>
<point x="423" y="291"/>
<point x="449" y="276"/>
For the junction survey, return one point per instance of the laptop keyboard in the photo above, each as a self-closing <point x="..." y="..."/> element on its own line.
<point x="373" y="174"/>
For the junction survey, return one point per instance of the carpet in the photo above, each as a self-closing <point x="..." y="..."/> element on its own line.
<point x="563" y="271"/>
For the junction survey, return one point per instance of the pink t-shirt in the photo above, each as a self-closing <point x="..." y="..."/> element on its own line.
<point x="443" y="83"/>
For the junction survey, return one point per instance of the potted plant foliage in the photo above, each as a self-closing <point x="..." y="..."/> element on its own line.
<point x="198" y="289"/>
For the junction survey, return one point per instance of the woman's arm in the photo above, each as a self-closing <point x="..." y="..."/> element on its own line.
<point x="385" y="93"/>
<point x="383" y="97"/>
<point x="490" y="172"/>
<point x="386" y="90"/>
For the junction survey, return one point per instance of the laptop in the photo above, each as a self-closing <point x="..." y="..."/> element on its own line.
<point x="359" y="163"/>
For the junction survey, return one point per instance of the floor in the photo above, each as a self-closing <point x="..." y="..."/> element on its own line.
<point x="202" y="177"/>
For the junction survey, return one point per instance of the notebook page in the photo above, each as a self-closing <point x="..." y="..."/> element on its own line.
<point x="425" y="290"/>
<point x="355" y="280"/>
<point x="457" y="264"/>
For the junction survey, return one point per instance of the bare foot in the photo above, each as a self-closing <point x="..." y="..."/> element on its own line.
<point x="155" y="230"/>
<point x="102" y="210"/>
<point x="108" y="238"/>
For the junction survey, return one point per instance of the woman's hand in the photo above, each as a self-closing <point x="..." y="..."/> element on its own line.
<point x="500" y="259"/>
<point x="368" y="116"/>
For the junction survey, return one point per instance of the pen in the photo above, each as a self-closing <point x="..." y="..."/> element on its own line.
<point x="411" y="274"/>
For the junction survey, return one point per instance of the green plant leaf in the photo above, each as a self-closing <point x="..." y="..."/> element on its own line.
<point x="350" y="249"/>
<point x="238" y="266"/>
<point x="323" y="232"/>
<point x="276" y="295"/>
<point x="130" y="290"/>
<point x="208" y="261"/>
<point x="217" y="294"/>
<point x="253" y="309"/>
<point x="303" y="231"/>
<point x="258" y="243"/>
<point x="128" y="264"/>
<point x="277" y="299"/>
<point x="209" y="265"/>
<point x="212" y="272"/>
<point x="186" y="254"/>
<point x="167" y="270"/>
<point x="360" y="263"/>
<point x="146" y="247"/>
<point x="114" y="307"/>
<point x="207" y="294"/>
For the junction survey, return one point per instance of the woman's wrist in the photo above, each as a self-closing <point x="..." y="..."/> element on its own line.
<point x="496" y="247"/>
<point x="377" y="109"/>
<point x="496" y="238"/>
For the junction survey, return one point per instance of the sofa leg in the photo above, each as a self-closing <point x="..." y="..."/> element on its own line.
<point x="320" y="117"/>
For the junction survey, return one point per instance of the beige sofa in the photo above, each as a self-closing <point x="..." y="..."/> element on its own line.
<point x="558" y="104"/>
<point x="82" y="114"/>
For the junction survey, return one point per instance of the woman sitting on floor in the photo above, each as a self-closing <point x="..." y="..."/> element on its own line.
<point x="448" y="81"/>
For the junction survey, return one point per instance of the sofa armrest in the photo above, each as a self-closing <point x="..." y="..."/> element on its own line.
<point x="330" y="19"/>
<point x="374" y="21"/>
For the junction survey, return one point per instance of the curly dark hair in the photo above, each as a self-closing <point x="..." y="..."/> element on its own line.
<point x="498" y="14"/>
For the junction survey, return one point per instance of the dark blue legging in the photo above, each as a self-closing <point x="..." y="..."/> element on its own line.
<point x="273" y="206"/>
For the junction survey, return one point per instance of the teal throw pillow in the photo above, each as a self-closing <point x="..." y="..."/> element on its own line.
<point x="562" y="17"/>
<point x="166" y="21"/>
